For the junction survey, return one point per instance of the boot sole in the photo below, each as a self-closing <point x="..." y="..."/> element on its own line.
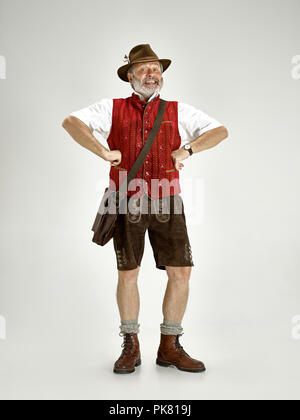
<point x="167" y="364"/>
<point x="124" y="371"/>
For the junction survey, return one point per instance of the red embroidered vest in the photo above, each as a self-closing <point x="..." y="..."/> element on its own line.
<point x="132" y="120"/>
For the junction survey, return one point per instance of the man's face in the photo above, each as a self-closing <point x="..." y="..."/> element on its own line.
<point x="146" y="78"/>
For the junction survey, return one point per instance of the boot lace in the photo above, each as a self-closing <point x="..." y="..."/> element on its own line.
<point x="179" y="346"/>
<point x="127" y="344"/>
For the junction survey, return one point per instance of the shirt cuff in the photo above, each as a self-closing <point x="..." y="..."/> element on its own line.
<point x="210" y="126"/>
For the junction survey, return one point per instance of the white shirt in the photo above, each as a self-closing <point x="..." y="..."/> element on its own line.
<point x="191" y="121"/>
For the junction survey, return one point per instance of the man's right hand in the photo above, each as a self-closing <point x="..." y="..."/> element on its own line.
<point x="114" y="157"/>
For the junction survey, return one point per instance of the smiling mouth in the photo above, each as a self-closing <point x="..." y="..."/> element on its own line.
<point x="152" y="83"/>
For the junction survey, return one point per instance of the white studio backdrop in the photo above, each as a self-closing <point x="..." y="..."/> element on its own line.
<point x="238" y="62"/>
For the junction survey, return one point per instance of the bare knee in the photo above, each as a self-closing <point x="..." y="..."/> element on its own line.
<point x="179" y="274"/>
<point x="128" y="276"/>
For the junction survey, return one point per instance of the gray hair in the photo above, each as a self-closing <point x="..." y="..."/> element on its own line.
<point x="130" y="70"/>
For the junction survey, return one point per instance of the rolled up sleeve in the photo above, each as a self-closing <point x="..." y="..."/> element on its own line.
<point x="193" y="122"/>
<point x="98" y="116"/>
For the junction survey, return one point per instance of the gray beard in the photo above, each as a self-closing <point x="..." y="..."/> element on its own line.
<point x="146" y="92"/>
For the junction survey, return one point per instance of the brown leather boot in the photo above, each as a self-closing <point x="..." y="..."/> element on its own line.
<point x="171" y="353"/>
<point x="130" y="357"/>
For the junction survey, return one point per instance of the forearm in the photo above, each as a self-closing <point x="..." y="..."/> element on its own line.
<point x="209" y="139"/>
<point x="81" y="133"/>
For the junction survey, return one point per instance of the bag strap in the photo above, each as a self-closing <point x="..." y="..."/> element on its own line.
<point x="146" y="148"/>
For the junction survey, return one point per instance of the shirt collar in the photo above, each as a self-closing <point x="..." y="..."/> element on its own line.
<point x="151" y="97"/>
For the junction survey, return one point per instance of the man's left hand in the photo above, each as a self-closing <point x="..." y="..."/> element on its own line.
<point x="178" y="156"/>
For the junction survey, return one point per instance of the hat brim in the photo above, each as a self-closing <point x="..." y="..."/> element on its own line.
<point x="122" y="71"/>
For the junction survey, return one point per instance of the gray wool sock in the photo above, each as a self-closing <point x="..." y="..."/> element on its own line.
<point x="170" y="328"/>
<point x="130" y="326"/>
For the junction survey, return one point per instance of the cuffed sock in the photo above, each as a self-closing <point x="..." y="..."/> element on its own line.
<point x="171" y="328"/>
<point x="130" y="326"/>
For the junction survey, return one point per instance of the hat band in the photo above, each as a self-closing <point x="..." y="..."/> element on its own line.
<point x="140" y="60"/>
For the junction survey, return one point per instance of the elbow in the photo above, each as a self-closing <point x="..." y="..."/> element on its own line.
<point x="224" y="132"/>
<point x="66" y="122"/>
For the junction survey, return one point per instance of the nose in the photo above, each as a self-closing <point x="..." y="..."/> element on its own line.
<point x="151" y="75"/>
<point x="150" y="72"/>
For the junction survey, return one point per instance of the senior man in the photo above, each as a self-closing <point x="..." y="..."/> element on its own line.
<point x="125" y="124"/>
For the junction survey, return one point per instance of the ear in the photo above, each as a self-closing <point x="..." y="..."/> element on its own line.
<point x="129" y="76"/>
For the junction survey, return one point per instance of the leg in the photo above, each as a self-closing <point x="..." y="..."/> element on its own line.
<point x="129" y="304"/>
<point x="171" y="352"/>
<point x="127" y="294"/>
<point x="129" y="242"/>
<point x="177" y="291"/>
<point x="129" y="247"/>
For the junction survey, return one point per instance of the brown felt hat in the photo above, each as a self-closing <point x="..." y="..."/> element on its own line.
<point x="141" y="53"/>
